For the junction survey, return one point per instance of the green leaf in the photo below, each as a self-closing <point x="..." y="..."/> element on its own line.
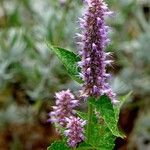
<point x="84" y="146"/>
<point x="69" y="60"/>
<point x="82" y="115"/>
<point x="117" y="108"/>
<point x="105" y="107"/>
<point x="101" y="137"/>
<point x="58" y="145"/>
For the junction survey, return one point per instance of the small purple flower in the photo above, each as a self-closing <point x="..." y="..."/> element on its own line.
<point x="74" y="130"/>
<point x="65" y="103"/>
<point x="94" y="59"/>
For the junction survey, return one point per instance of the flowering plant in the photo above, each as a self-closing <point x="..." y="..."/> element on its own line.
<point x="96" y="129"/>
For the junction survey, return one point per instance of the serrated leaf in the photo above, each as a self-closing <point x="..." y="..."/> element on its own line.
<point x="105" y="107"/>
<point x="58" y="145"/>
<point x="69" y="60"/>
<point x="101" y="137"/>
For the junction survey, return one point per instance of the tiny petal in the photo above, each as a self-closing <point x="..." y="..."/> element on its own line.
<point x="79" y="35"/>
<point x="88" y="71"/>
<point x="115" y="102"/>
<point x="80" y="63"/>
<point x="108" y="62"/>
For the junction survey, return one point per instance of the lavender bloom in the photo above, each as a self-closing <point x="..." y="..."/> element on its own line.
<point x="94" y="59"/>
<point x="74" y="131"/>
<point x="65" y="102"/>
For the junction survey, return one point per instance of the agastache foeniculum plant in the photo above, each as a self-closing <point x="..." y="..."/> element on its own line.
<point x="83" y="130"/>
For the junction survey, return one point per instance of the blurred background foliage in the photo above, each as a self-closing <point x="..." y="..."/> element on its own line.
<point x="30" y="73"/>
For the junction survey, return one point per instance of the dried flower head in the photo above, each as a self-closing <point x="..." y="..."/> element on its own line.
<point x="75" y="131"/>
<point x="93" y="42"/>
<point x="65" y="103"/>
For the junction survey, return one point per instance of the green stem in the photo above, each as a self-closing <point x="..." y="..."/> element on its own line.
<point x="90" y="113"/>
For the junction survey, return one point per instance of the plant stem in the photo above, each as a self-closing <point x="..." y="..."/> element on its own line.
<point x="90" y="113"/>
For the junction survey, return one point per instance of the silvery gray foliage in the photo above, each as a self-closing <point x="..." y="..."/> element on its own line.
<point x="140" y="136"/>
<point x="137" y="71"/>
<point x="26" y="58"/>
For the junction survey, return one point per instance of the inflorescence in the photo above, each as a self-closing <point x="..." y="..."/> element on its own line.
<point x="75" y="130"/>
<point x="94" y="59"/>
<point x="65" y="103"/>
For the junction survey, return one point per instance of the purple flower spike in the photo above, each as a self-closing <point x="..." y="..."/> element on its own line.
<point x="65" y="102"/>
<point x="74" y="131"/>
<point x="94" y="59"/>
